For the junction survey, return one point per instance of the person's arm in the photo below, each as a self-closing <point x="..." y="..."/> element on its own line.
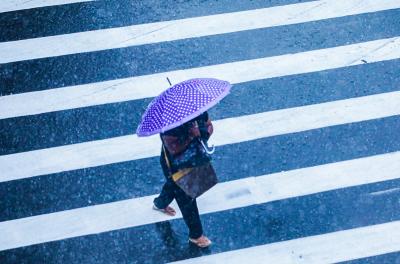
<point x="205" y="124"/>
<point x="210" y="127"/>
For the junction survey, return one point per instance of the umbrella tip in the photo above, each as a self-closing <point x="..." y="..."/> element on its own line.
<point x="169" y="81"/>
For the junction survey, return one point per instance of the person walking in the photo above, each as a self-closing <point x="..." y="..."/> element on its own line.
<point x="179" y="115"/>
<point x="175" y="142"/>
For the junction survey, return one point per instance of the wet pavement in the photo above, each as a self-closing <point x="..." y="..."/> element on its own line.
<point x="346" y="208"/>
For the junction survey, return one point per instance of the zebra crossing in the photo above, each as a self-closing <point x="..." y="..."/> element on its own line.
<point x="307" y="156"/>
<point x="227" y="195"/>
<point x="329" y="248"/>
<point x="228" y="131"/>
<point x="135" y="88"/>
<point x="14" y="5"/>
<point x="185" y="28"/>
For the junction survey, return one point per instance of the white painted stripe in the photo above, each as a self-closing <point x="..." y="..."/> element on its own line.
<point x="385" y="192"/>
<point x="14" y="5"/>
<point x="236" y="72"/>
<point x="227" y="131"/>
<point x="327" y="248"/>
<point x="186" y="28"/>
<point x="224" y="196"/>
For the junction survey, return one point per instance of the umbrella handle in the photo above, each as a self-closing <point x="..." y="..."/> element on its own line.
<point x="207" y="149"/>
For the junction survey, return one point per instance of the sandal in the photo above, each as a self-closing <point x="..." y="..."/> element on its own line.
<point x="167" y="210"/>
<point x="202" y="241"/>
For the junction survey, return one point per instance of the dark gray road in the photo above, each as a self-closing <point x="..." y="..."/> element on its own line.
<point x="265" y="223"/>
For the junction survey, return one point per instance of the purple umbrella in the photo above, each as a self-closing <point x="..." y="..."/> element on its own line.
<point x="181" y="103"/>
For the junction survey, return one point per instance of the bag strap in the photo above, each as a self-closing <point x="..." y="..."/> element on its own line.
<point x="166" y="157"/>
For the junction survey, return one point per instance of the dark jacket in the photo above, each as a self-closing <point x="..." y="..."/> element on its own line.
<point x="176" y="140"/>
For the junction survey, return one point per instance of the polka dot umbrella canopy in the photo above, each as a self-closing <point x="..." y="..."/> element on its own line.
<point x="181" y="103"/>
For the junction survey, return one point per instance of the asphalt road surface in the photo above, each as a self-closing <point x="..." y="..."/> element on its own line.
<point x="307" y="142"/>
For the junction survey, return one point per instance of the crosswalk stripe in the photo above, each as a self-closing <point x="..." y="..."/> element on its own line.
<point x="228" y="195"/>
<point x="15" y="5"/>
<point x="236" y="72"/>
<point x="227" y="131"/>
<point x="186" y="28"/>
<point x="327" y="248"/>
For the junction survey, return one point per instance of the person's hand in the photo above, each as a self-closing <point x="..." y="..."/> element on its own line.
<point x="210" y="128"/>
<point x="194" y="130"/>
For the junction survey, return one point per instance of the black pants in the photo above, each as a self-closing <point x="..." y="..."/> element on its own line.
<point x="187" y="205"/>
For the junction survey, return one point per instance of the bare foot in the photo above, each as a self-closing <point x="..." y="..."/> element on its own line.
<point x="167" y="210"/>
<point x="202" y="241"/>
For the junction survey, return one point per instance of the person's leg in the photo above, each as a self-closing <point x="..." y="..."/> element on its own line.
<point x="190" y="213"/>
<point x="188" y="207"/>
<point x="166" y="196"/>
